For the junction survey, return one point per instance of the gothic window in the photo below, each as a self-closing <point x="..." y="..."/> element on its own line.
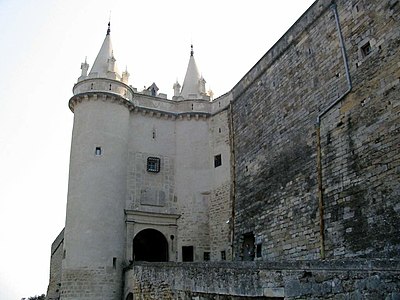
<point x="153" y="164"/>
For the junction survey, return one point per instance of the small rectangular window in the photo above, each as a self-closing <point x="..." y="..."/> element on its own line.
<point x="217" y="160"/>
<point x="223" y="255"/>
<point x="258" y="250"/>
<point x="366" y="49"/>
<point x="98" y="151"/>
<point x="153" y="164"/>
<point x="206" y="256"/>
<point x="187" y="253"/>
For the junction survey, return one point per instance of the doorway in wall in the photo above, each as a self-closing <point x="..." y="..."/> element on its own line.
<point x="248" y="246"/>
<point x="150" y="245"/>
<point x="187" y="253"/>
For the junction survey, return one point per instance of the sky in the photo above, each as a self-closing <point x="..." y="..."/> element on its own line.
<point x="43" y="43"/>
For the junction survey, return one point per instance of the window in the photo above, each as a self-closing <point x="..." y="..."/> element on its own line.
<point x="97" y="152"/>
<point x="366" y="49"/>
<point x="223" y="255"/>
<point x="217" y="160"/>
<point x="187" y="253"/>
<point x="258" y="250"/>
<point x="206" y="256"/>
<point x="153" y="164"/>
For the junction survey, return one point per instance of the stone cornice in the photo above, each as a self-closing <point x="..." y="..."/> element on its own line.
<point x="145" y="111"/>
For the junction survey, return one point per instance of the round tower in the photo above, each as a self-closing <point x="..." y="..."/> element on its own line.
<point x="94" y="239"/>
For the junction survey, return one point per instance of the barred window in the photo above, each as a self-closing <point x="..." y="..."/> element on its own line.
<point x="153" y="164"/>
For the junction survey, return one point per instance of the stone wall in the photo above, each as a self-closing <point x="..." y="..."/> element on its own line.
<point x="54" y="287"/>
<point x="352" y="90"/>
<point x="355" y="279"/>
<point x="220" y="208"/>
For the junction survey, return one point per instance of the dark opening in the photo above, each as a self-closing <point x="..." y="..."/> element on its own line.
<point x="223" y="255"/>
<point x="206" y="256"/>
<point x="98" y="151"/>
<point x="217" y="160"/>
<point x="248" y="246"/>
<point x="366" y="49"/>
<point x="258" y="250"/>
<point x="129" y="297"/>
<point x="150" y="245"/>
<point x="187" y="253"/>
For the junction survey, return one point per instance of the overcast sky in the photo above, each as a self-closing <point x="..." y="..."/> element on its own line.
<point x="42" y="44"/>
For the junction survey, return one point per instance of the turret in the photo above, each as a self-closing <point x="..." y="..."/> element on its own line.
<point x="177" y="88"/>
<point x="104" y="75"/>
<point x="125" y="76"/>
<point x="84" y="68"/>
<point x="94" y="239"/>
<point x="193" y="85"/>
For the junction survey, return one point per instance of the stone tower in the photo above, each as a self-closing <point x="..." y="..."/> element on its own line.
<point x="95" y="231"/>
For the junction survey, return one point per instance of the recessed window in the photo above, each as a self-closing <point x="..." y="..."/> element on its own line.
<point x="258" y="250"/>
<point x="187" y="253"/>
<point x="366" y="49"/>
<point x="109" y="87"/>
<point x="223" y="255"/>
<point x="153" y="164"/>
<point x="206" y="256"/>
<point x="217" y="160"/>
<point x="114" y="263"/>
<point x="97" y="152"/>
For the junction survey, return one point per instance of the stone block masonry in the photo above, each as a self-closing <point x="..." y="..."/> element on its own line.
<point x="355" y="279"/>
<point x="352" y="89"/>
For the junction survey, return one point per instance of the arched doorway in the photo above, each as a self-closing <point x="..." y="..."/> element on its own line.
<point x="129" y="297"/>
<point x="150" y="245"/>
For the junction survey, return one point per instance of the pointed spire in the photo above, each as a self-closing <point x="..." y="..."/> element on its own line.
<point x="190" y="86"/>
<point x="104" y="64"/>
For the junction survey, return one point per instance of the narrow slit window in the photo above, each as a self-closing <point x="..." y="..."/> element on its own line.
<point x="206" y="256"/>
<point x="114" y="263"/>
<point x="217" y="160"/>
<point x="223" y="255"/>
<point x="110" y="87"/>
<point x="98" y="151"/>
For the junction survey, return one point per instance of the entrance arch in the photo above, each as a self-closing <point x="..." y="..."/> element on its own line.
<point x="129" y="297"/>
<point x="150" y="245"/>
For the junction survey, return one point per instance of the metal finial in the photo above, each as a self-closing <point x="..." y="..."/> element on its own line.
<point x="191" y="50"/>
<point x="108" y="30"/>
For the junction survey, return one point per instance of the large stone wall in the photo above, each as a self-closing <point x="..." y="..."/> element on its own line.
<point x="54" y="287"/>
<point x="275" y="110"/>
<point x="353" y="279"/>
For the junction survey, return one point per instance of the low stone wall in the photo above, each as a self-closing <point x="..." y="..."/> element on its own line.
<point x="353" y="279"/>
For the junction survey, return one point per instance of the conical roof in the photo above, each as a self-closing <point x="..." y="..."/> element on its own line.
<point x="190" y="87"/>
<point x="105" y="59"/>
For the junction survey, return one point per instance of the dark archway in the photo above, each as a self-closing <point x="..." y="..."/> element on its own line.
<point x="150" y="245"/>
<point x="129" y="297"/>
